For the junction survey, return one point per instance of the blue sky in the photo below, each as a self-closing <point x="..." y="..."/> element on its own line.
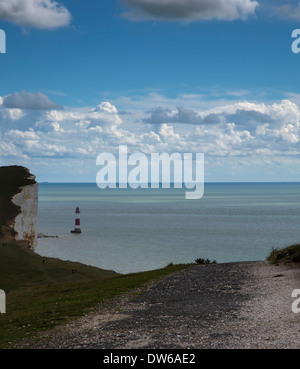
<point x="82" y="77"/>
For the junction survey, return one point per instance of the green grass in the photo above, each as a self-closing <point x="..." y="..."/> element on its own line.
<point x="41" y="296"/>
<point x="290" y="254"/>
<point x="42" y="293"/>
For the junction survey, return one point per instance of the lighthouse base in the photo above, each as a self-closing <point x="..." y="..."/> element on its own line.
<point x="76" y="231"/>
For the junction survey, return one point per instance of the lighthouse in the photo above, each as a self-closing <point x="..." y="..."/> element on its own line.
<point x="77" y="228"/>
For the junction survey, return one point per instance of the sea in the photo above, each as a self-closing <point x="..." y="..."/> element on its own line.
<point x="132" y="230"/>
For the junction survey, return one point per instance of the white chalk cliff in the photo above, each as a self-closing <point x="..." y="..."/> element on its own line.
<point x="25" y="223"/>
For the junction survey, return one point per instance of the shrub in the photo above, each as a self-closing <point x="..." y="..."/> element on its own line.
<point x="204" y="261"/>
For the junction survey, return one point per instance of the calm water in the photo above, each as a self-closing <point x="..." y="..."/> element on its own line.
<point x="134" y="230"/>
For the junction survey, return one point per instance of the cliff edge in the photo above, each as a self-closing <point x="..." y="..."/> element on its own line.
<point x="18" y="204"/>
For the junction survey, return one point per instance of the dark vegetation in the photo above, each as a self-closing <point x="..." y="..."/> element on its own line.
<point x="11" y="178"/>
<point x="290" y="254"/>
<point x="205" y="261"/>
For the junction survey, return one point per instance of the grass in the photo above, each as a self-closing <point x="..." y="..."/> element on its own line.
<point x="290" y="254"/>
<point x="42" y="293"/>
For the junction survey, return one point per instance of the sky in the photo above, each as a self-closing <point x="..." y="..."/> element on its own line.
<point x="80" y="78"/>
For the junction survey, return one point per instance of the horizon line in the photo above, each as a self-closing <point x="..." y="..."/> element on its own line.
<point x="172" y="183"/>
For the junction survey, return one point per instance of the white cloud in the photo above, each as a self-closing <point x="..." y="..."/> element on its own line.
<point x="63" y="133"/>
<point x="43" y="14"/>
<point x="105" y="114"/>
<point x="47" y="126"/>
<point x="254" y="131"/>
<point x="14" y="114"/>
<point x="20" y="135"/>
<point x="189" y="10"/>
<point x="167" y="133"/>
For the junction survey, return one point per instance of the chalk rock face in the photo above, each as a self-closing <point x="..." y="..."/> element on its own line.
<point x="25" y="223"/>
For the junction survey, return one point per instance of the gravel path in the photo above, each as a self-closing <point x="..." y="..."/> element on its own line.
<point x="230" y="305"/>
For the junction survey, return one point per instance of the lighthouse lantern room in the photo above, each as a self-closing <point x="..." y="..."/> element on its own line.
<point x="77" y="228"/>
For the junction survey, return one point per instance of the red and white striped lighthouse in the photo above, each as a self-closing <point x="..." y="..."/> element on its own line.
<point x="77" y="228"/>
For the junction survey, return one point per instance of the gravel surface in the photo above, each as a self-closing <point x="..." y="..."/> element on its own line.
<point x="230" y="305"/>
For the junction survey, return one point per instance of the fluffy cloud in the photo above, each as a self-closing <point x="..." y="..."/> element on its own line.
<point x="240" y="129"/>
<point x="44" y="14"/>
<point x="190" y="10"/>
<point x="27" y="100"/>
<point x="255" y="132"/>
<point x="105" y="114"/>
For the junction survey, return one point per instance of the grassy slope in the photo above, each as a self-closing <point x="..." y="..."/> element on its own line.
<point x="42" y="294"/>
<point x="290" y="254"/>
